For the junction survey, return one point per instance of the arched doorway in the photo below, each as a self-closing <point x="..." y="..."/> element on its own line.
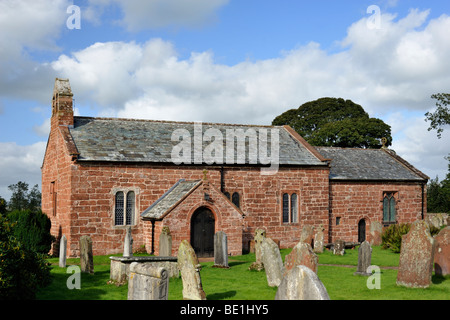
<point x="362" y="230"/>
<point x="202" y="232"/>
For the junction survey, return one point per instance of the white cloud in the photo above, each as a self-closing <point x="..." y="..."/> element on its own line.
<point x="20" y="163"/>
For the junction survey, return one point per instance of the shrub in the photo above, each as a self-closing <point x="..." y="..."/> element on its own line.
<point x="32" y="230"/>
<point x="392" y="236"/>
<point x="22" y="271"/>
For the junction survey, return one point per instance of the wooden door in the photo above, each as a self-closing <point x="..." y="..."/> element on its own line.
<point x="202" y="232"/>
<point x="362" y="230"/>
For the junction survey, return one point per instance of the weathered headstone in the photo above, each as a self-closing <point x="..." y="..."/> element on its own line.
<point x="376" y="229"/>
<point x="273" y="264"/>
<point x="339" y="247"/>
<point x="128" y="244"/>
<point x="86" y="255"/>
<point x="442" y="253"/>
<point x="319" y="239"/>
<point x="165" y="242"/>
<point x="308" y="235"/>
<point x="220" y="250"/>
<point x="416" y="257"/>
<point x="147" y="282"/>
<point x="62" y="251"/>
<point x="301" y="283"/>
<point x="301" y="254"/>
<point x="190" y="272"/>
<point x="364" y="259"/>
<point x="260" y="235"/>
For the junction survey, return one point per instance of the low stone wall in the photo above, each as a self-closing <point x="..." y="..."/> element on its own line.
<point x="120" y="266"/>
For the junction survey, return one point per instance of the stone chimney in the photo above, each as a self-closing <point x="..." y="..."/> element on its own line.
<point x="62" y="104"/>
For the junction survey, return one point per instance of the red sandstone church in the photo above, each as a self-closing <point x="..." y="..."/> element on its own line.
<point x="102" y="175"/>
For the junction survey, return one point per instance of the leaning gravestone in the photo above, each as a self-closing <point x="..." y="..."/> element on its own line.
<point x="220" y="250"/>
<point x="128" y="244"/>
<point x="190" y="272"/>
<point x="339" y="248"/>
<point x="86" y="255"/>
<point x="62" y="251"/>
<point x="260" y="235"/>
<point x="319" y="239"/>
<point x="147" y="282"/>
<point x="416" y="257"/>
<point x="364" y="259"/>
<point x="376" y="229"/>
<point x="307" y="235"/>
<point x="165" y="242"/>
<point x="273" y="264"/>
<point x="301" y="254"/>
<point x="301" y="283"/>
<point x="442" y="253"/>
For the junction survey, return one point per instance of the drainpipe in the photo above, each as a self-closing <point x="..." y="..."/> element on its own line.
<point x="222" y="180"/>
<point x="153" y="236"/>
<point x="423" y="201"/>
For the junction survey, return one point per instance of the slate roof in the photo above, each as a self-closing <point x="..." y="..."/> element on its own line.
<point x="169" y="199"/>
<point x="369" y="164"/>
<point x="126" y="140"/>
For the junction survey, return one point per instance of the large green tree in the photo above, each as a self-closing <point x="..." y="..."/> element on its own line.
<point x="438" y="194"/>
<point x="336" y="122"/>
<point x="22" y="199"/>
<point x="441" y="116"/>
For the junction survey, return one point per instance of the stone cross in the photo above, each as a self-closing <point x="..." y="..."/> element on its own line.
<point x="165" y="242"/>
<point x="190" y="272"/>
<point x="416" y="257"/>
<point x="260" y="235"/>
<point x="128" y="244"/>
<point x="364" y="259"/>
<point x="220" y="250"/>
<point x="147" y="282"/>
<point x="307" y="234"/>
<point x="301" y="283"/>
<point x="62" y="251"/>
<point x="86" y="255"/>
<point x="273" y="264"/>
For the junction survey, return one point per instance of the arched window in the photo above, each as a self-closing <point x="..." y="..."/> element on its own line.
<point x="285" y="208"/>
<point x="294" y="208"/>
<point x="118" y="208"/>
<point x="130" y="208"/>
<point x="124" y="208"/>
<point x="235" y="199"/>
<point x="389" y="210"/>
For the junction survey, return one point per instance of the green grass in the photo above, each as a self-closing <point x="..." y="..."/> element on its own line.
<point x="238" y="283"/>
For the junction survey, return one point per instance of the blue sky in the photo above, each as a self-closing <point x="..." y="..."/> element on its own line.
<point x="236" y="61"/>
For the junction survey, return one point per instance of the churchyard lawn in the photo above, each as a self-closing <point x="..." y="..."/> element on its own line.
<point x="238" y="283"/>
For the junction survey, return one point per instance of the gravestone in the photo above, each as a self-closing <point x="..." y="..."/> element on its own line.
<point x="165" y="242"/>
<point x="86" y="255"/>
<point x="376" y="229"/>
<point x="301" y="254"/>
<point x="364" y="259"/>
<point x="220" y="250"/>
<point x="301" y="283"/>
<point x="339" y="247"/>
<point x="416" y="257"/>
<point x="128" y="244"/>
<point x="62" y="251"/>
<point x="308" y="235"/>
<point x="319" y="239"/>
<point x="190" y="272"/>
<point x="147" y="282"/>
<point x="273" y="264"/>
<point x="260" y="235"/>
<point x="442" y="252"/>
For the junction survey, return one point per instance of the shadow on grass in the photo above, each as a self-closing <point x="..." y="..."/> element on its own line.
<point x="221" y="295"/>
